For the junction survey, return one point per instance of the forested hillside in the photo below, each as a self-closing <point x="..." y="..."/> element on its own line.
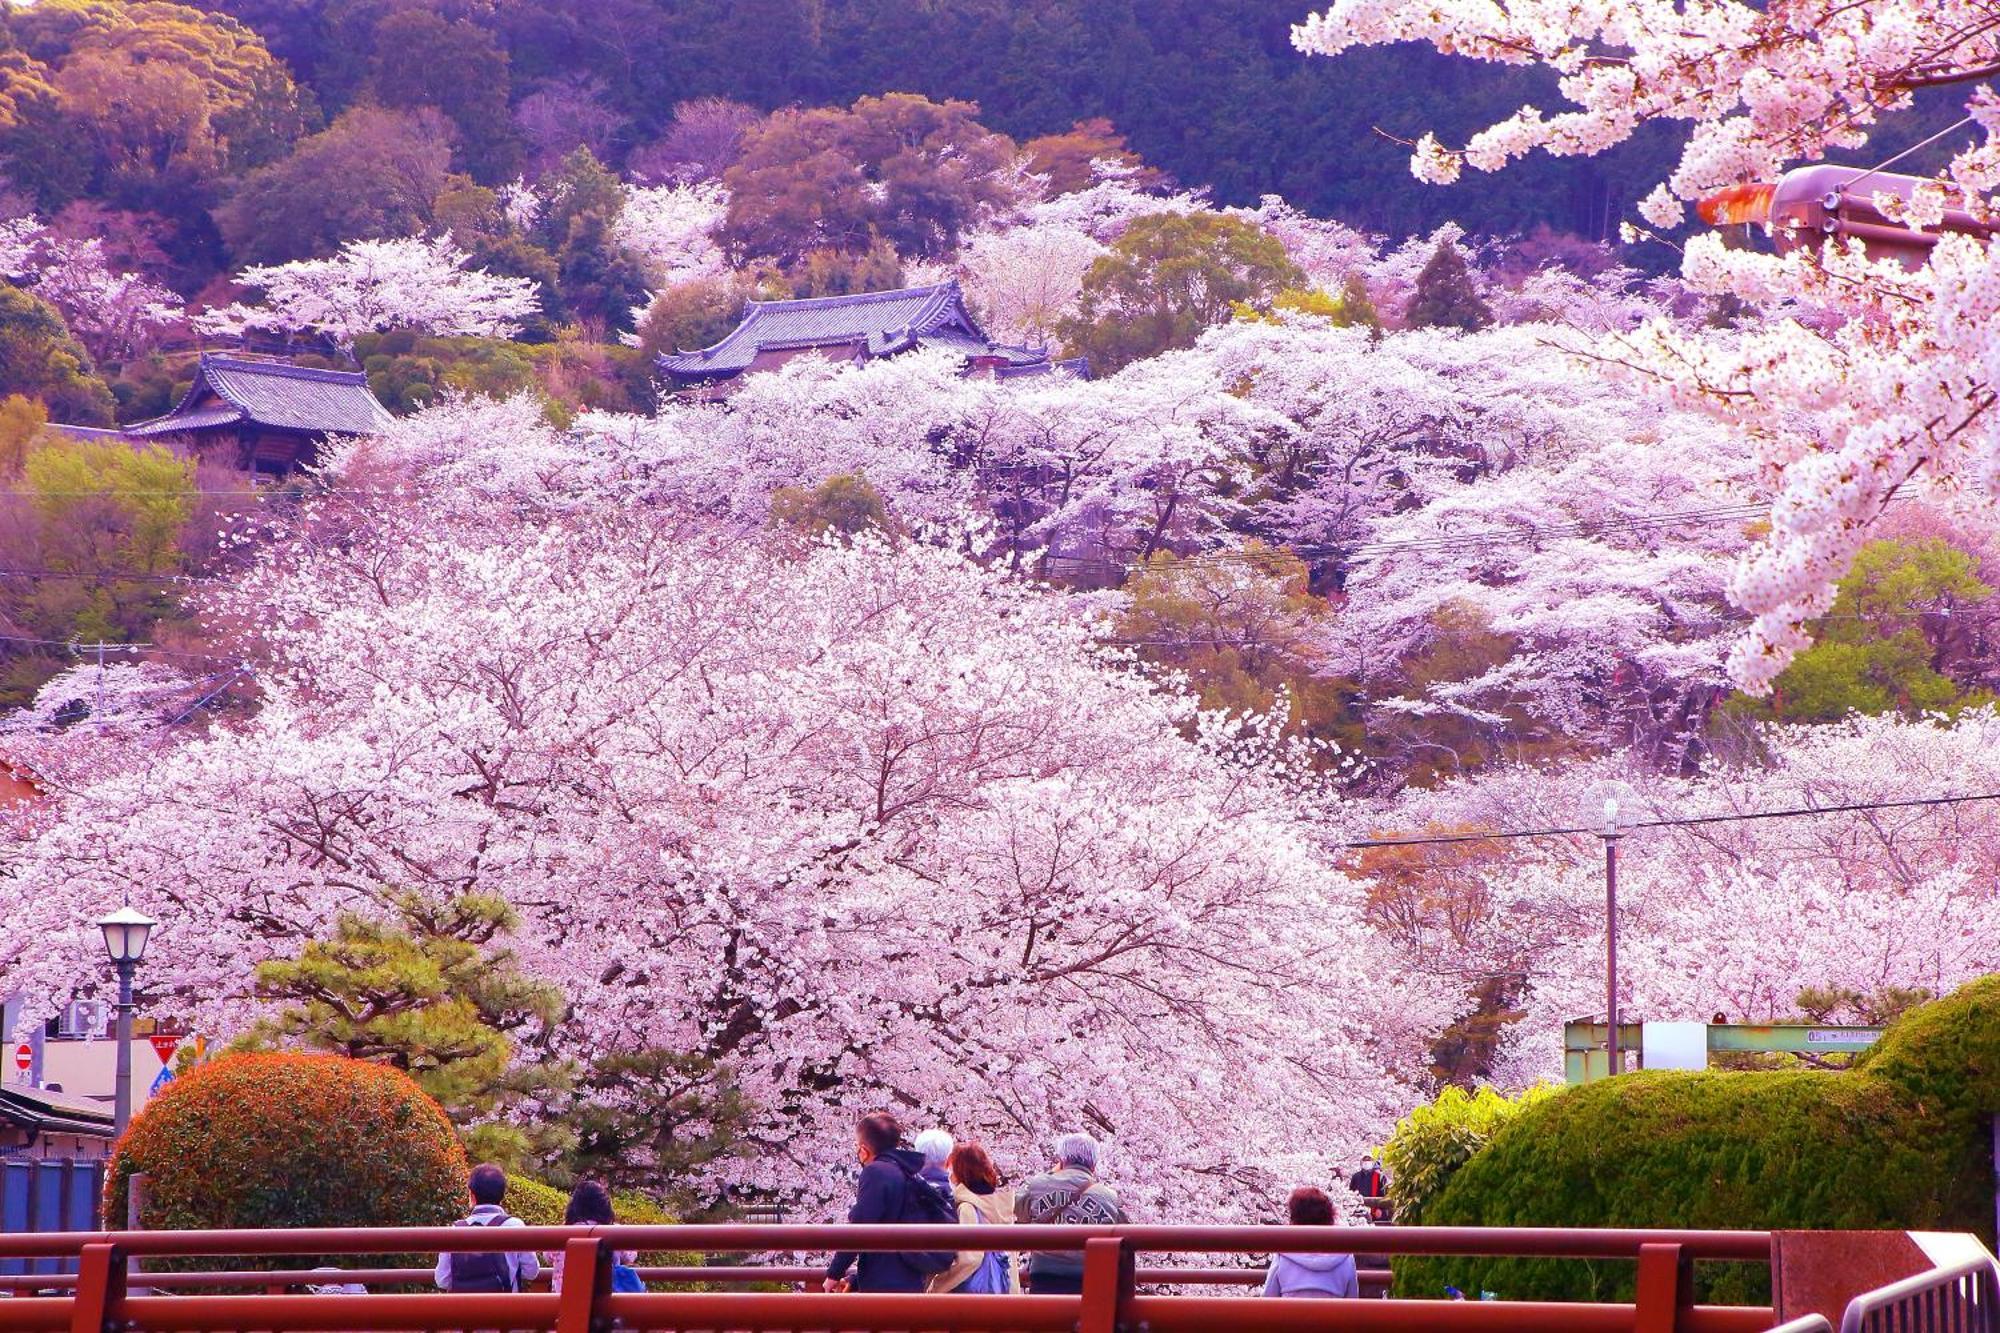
<point x="1212" y="92"/>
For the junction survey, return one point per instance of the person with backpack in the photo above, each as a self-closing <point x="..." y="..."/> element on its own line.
<point x="590" y="1205"/>
<point x="487" y="1270"/>
<point x="1311" y="1273"/>
<point x="891" y="1189"/>
<point x="981" y="1202"/>
<point x="1070" y="1195"/>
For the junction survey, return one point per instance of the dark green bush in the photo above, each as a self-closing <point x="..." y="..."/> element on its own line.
<point x="283" y="1140"/>
<point x="1946" y="1053"/>
<point x="1902" y="1141"/>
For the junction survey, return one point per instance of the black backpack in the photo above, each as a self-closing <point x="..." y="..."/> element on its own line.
<point x="489" y="1270"/>
<point x="923" y="1205"/>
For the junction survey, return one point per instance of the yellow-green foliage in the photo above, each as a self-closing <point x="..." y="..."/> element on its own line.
<point x="148" y="492"/>
<point x="1435" y="1140"/>
<point x="1899" y="1142"/>
<point x="846" y="504"/>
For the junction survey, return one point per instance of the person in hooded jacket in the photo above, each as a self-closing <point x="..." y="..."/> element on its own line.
<point x="975" y="1185"/>
<point x="1312" y="1273"/>
<point x="936" y="1146"/>
<point x="888" y="1172"/>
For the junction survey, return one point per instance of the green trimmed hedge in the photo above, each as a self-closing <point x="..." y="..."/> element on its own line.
<point x="542" y="1205"/>
<point x="1901" y="1141"/>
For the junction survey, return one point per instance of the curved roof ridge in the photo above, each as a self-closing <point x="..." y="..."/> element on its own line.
<point x="929" y="289"/>
<point x="282" y="369"/>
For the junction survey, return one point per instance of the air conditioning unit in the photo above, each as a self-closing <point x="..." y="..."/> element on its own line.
<point x="84" y="1018"/>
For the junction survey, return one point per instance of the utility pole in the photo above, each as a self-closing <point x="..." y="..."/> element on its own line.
<point x="100" y="648"/>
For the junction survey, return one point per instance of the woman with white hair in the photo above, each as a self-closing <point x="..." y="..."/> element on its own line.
<point x="1069" y="1195"/>
<point x="936" y="1146"/>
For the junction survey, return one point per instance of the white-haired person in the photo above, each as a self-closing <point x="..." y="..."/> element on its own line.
<point x="1070" y="1195"/>
<point x="936" y="1146"/>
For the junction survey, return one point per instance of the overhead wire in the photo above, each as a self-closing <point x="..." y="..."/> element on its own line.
<point x="76" y="645"/>
<point x="1684" y="821"/>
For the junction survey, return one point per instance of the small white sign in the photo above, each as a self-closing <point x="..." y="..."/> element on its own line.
<point x="1674" y="1045"/>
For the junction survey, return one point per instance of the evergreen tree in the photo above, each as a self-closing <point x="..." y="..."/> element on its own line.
<point x="599" y="279"/>
<point x="650" y="1120"/>
<point x="432" y="992"/>
<point x="39" y="359"/>
<point x="423" y="59"/>
<point x="1446" y="297"/>
<point x="1886" y="643"/>
<point x="1169" y="277"/>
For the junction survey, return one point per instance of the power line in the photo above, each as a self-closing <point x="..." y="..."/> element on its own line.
<point x="1689" y="821"/>
<point x="117" y="647"/>
<point x="1581" y="528"/>
<point x="1495" y="537"/>
<point x="107" y="492"/>
<point x="109" y="575"/>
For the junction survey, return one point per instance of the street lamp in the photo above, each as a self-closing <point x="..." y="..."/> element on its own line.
<point x="125" y="933"/>
<point x="1618" y="806"/>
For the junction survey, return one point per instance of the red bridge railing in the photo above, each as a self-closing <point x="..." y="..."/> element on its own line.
<point x="105" y="1296"/>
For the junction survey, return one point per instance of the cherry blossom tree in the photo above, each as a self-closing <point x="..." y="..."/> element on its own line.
<point x="867" y="825"/>
<point x="1738" y="917"/>
<point x="369" y="286"/>
<point x="114" y="314"/>
<point x="672" y="229"/>
<point x="1328" y="252"/>
<point x="1103" y="210"/>
<point x="1892" y="388"/>
<point x="1024" y="280"/>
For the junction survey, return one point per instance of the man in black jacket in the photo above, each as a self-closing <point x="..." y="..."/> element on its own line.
<point x="1370" y="1183"/>
<point x="888" y="1173"/>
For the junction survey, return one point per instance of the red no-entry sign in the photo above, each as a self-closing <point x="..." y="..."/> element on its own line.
<point x="24" y="1057"/>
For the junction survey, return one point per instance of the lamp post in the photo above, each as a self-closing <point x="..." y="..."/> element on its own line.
<point x="1617" y="805"/>
<point x="1611" y="835"/>
<point x="125" y="933"/>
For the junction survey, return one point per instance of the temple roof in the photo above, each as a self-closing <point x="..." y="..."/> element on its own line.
<point x="884" y="322"/>
<point x="271" y="393"/>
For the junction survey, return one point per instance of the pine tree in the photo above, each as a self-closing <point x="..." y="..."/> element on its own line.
<point x="431" y="992"/>
<point x="1446" y="297"/>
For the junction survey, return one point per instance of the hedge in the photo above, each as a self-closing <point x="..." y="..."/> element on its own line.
<point x="1902" y="1141"/>
<point x="1432" y="1142"/>
<point x="285" y="1140"/>
<point x="542" y="1205"/>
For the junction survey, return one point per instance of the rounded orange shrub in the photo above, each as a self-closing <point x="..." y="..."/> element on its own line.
<point x="284" y="1140"/>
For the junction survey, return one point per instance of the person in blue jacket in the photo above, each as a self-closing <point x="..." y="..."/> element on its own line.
<point x="888" y="1173"/>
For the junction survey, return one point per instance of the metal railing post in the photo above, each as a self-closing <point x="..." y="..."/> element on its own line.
<point x="586" y="1284"/>
<point x="1666" y="1289"/>
<point x="1107" y="1285"/>
<point x="99" y="1303"/>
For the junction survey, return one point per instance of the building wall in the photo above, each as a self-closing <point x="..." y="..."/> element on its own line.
<point x="835" y="352"/>
<point x="90" y="1068"/>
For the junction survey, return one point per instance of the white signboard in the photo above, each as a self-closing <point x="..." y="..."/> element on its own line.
<point x="1674" y="1045"/>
